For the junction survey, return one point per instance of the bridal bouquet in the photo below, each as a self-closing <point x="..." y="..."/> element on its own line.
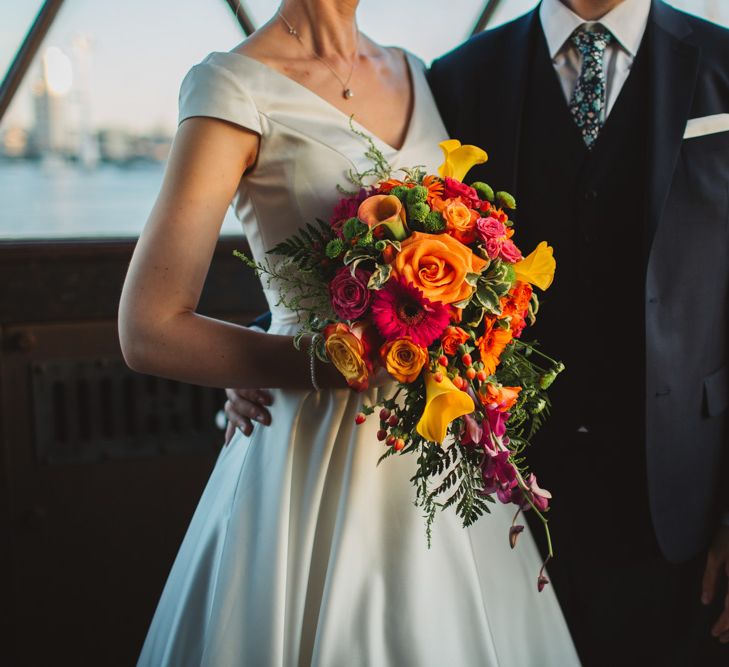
<point x="420" y="275"/>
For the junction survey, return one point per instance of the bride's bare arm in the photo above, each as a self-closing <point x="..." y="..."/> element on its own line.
<point x="160" y="332"/>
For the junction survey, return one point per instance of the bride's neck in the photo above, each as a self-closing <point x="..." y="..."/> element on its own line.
<point x="329" y="26"/>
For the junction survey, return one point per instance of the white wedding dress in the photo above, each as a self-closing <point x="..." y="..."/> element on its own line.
<point x="302" y="551"/>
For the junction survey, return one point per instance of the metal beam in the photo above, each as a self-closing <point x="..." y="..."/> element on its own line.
<point x="27" y="52"/>
<point x="236" y="6"/>
<point x="488" y="11"/>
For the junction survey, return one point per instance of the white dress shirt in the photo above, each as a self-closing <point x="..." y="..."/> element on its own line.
<point x="627" y="23"/>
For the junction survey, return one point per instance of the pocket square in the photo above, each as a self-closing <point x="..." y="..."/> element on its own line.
<point x="698" y="127"/>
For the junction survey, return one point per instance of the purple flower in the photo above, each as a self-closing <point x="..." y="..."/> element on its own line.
<point x="497" y="421"/>
<point x="349" y="294"/>
<point x="540" y="497"/>
<point x="473" y="431"/>
<point x="499" y="476"/>
<point x="346" y="208"/>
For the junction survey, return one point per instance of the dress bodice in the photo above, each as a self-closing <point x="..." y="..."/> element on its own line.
<point x="307" y="146"/>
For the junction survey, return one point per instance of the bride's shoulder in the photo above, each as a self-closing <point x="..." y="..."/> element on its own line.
<point x="408" y="57"/>
<point x="222" y="85"/>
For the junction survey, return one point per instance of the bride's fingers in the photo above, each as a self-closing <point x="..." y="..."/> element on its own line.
<point x="238" y="419"/>
<point x="248" y="405"/>
<point x="260" y="396"/>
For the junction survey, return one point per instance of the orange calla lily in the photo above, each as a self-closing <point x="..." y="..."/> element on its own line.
<point x="384" y="210"/>
<point x="538" y="268"/>
<point x="443" y="404"/>
<point x="459" y="159"/>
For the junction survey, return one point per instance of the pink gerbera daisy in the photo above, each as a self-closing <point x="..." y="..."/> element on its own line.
<point x="399" y="309"/>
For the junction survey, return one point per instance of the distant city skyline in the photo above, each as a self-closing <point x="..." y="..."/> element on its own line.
<point x="137" y="53"/>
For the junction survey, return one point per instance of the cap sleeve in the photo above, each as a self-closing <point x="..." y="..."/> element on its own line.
<point x="214" y="91"/>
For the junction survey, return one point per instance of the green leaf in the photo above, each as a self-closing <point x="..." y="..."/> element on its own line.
<point x="379" y="277"/>
<point x="472" y="279"/>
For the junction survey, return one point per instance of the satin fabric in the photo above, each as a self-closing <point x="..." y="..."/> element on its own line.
<point x="302" y="551"/>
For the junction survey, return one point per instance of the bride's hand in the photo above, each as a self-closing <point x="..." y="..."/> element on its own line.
<point x="245" y="406"/>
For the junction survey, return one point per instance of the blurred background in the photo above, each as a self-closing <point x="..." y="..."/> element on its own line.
<point x="101" y="468"/>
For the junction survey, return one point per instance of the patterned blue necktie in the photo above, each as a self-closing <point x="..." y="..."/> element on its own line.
<point x="588" y="98"/>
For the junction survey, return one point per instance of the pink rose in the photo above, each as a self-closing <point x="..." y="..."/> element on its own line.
<point x="490" y="228"/>
<point x="468" y="195"/>
<point x="493" y="248"/>
<point x="510" y="253"/>
<point x="349" y="294"/>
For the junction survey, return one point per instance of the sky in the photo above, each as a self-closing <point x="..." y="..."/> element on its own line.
<point x="139" y="50"/>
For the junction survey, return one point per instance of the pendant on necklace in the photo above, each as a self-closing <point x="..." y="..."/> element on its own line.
<point x="347" y="93"/>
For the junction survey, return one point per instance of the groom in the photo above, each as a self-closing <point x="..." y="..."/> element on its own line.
<point x="609" y="121"/>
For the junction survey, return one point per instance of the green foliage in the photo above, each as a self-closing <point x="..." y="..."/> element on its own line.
<point x="307" y="248"/>
<point x="401" y="192"/>
<point x="434" y="223"/>
<point x="418" y="211"/>
<point x="334" y="248"/>
<point x="484" y="191"/>
<point x="417" y="194"/>
<point x="505" y="200"/>
<point x="352" y="228"/>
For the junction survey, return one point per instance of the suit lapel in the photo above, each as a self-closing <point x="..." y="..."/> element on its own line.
<point x="674" y="69"/>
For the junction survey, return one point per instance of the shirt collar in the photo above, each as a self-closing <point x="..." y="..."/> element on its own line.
<point x="627" y="22"/>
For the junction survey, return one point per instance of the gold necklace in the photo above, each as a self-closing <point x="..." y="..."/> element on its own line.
<point x="347" y="92"/>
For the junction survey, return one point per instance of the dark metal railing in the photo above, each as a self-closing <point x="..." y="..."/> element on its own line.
<point x="27" y="51"/>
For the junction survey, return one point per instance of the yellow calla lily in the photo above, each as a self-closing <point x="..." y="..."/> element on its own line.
<point x="538" y="268"/>
<point x="443" y="404"/>
<point x="459" y="159"/>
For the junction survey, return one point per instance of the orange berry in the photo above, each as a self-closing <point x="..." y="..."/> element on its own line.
<point x="481" y="375"/>
<point x="399" y="444"/>
<point x="443" y="360"/>
<point x="438" y="377"/>
<point x="466" y="359"/>
<point x="471" y="373"/>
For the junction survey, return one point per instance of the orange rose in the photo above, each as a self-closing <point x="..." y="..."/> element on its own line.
<point x="460" y="220"/>
<point x="450" y="340"/>
<point x="437" y="265"/>
<point x="492" y="344"/>
<point x="348" y="353"/>
<point x="403" y="359"/>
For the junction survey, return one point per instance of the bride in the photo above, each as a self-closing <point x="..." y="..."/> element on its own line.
<point x="301" y="550"/>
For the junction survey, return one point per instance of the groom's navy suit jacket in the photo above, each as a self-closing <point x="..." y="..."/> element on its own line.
<point x="480" y="89"/>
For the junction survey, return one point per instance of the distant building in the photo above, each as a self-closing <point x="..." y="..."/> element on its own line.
<point x="14" y="142"/>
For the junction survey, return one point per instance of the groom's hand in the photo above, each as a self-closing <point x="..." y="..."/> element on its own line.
<point x="245" y="406"/>
<point x="717" y="567"/>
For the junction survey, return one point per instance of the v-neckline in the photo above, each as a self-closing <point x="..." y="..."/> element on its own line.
<point x="413" y="89"/>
